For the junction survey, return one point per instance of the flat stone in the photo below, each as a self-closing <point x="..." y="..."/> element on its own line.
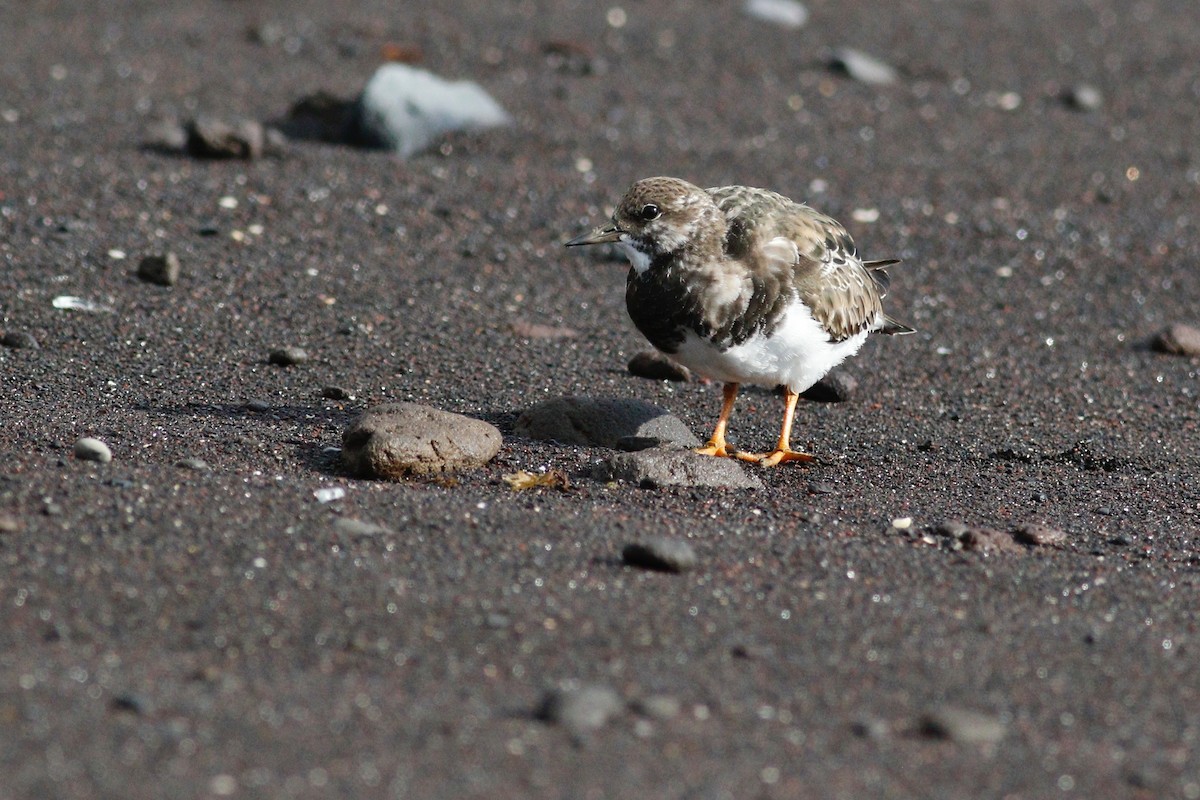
<point x="1039" y="535"/>
<point x="396" y="440"/>
<point x="161" y="268"/>
<point x="660" y="466"/>
<point x="655" y="366"/>
<point x="862" y="67"/>
<point x="406" y="109"/>
<point x="287" y="356"/>
<point x="601" y="422"/>
<point x="89" y="449"/>
<point x="1177" y="339"/>
<point x="962" y="725"/>
<point x="359" y="529"/>
<point x="660" y="553"/>
<point x="784" y="13"/>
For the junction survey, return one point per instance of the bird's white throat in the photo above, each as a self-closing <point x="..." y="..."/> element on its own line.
<point x="638" y="259"/>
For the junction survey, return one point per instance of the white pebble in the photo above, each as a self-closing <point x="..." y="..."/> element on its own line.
<point x="785" y="13"/>
<point x="89" y="449"/>
<point x="330" y="494"/>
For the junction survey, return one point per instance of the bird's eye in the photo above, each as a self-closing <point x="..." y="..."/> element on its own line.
<point x="649" y="212"/>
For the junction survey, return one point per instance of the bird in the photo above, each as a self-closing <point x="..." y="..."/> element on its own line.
<point x="744" y="286"/>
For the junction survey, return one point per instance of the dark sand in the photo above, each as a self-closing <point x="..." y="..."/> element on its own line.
<point x="172" y="633"/>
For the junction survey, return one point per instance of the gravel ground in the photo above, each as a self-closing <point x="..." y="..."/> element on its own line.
<point x="179" y="629"/>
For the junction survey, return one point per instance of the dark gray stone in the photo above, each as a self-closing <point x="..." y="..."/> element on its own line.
<point x="660" y="553"/>
<point x="601" y="422"/>
<point x="288" y="356"/>
<point x="162" y="269"/>
<point x="396" y="440"/>
<point x="657" y="367"/>
<point x="18" y="340"/>
<point x="674" y="467"/>
<point x="837" y="387"/>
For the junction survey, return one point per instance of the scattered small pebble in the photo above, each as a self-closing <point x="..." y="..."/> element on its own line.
<point x="196" y="464"/>
<point x="69" y="303"/>
<point x="962" y="725"/>
<point x="660" y="553"/>
<point x="657" y="706"/>
<point x="784" y="13"/>
<point x="329" y="494"/>
<point x="870" y="728"/>
<point x="89" y="449"/>
<point x="9" y="523"/>
<point x="1084" y="97"/>
<point x="862" y="67"/>
<point x="396" y="440"/>
<point x="1039" y="535"/>
<point x="336" y="393"/>
<point x="580" y="710"/>
<point x="287" y="356"/>
<point x="404" y="108"/>
<point x="836" y="387"/>
<point x="162" y="269"/>
<point x="821" y="487"/>
<point x="655" y="366"/>
<point x="1178" y="339"/>
<point x="130" y="703"/>
<point x="902" y="523"/>
<point x="19" y="340"/>
<point x="359" y="529"/>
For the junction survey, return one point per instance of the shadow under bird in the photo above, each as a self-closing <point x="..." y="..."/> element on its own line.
<point x="743" y="285"/>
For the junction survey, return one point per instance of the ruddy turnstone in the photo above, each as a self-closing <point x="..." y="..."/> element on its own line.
<point x="743" y="285"/>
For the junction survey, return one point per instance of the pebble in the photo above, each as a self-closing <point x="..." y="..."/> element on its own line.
<point x="9" y="523"/>
<point x="359" y="529"/>
<point x="1177" y="339"/>
<point x="784" y="13"/>
<point x="258" y="406"/>
<point x="197" y="464"/>
<point x="1084" y="97"/>
<point x="837" y="387"/>
<point x="962" y="725"/>
<point x="396" y="440"/>
<point x="1039" y="535"/>
<point x="404" y="108"/>
<point x="89" y="449"/>
<point x="659" y="466"/>
<point x="211" y="137"/>
<point x="660" y="553"/>
<point x="18" y="340"/>
<point x="862" y="67"/>
<point x="336" y="393"/>
<point x="657" y="706"/>
<point x="582" y="709"/>
<point x="162" y="269"/>
<point x="601" y="422"/>
<point x="287" y="356"/>
<point x="657" y="367"/>
<point x="537" y="330"/>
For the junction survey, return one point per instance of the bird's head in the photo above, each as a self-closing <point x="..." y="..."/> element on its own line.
<point x="656" y="217"/>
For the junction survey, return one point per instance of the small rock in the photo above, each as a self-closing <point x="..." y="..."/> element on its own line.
<point x="1178" y="339"/>
<point x="359" y="529"/>
<point x="89" y="449"/>
<point x="821" y="487"/>
<point x="862" y="67"/>
<point x="258" y="406"/>
<point x="18" y="340"/>
<point x="1084" y="97"/>
<point x="660" y="553"/>
<point x="162" y="269"/>
<point x="336" y="393"/>
<point x="784" y="13"/>
<point x="197" y="464"/>
<point x="870" y="728"/>
<point x="989" y="539"/>
<point x="580" y="710"/>
<point x="405" y="109"/>
<point x="210" y="137"/>
<point x="288" y="356"/>
<point x="657" y="706"/>
<point x="536" y="330"/>
<point x="658" y="367"/>
<point x="9" y="523"/>
<point x="837" y="387"/>
<point x="601" y="422"/>
<point x="1039" y="535"/>
<point x="673" y="467"/>
<point x="962" y="726"/>
<point x="396" y="440"/>
<point x="128" y="702"/>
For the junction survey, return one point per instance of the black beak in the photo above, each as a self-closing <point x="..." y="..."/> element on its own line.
<point x="606" y="233"/>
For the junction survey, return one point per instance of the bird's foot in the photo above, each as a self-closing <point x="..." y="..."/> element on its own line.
<point x="714" y="448"/>
<point x="776" y="457"/>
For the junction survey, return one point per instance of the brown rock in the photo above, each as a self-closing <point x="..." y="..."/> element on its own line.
<point x="1177" y="339"/>
<point x="398" y="440"/>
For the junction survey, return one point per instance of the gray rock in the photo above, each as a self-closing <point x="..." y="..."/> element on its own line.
<point x="162" y="269"/>
<point x="336" y="393"/>
<point x="784" y="13"/>
<point x="89" y="449"/>
<point x="660" y="553"/>
<point x="1084" y="97"/>
<point x="601" y="422"/>
<point x="581" y="709"/>
<point x="962" y="725"/>
<point x="1039" y="535"/>
<point x="397" y="440"/>
<point x="18" y="340"/>
<point x="210" y="137"/>
<point x="657" y="367"/>
<point x="287" y="356"/>
<point x="1178" y="339"/>
<point x="674" y="467"/>
<point x="405" y="109"/>
<point x="837" y="387"/>
<point x="862" y="67"/>
<point x="359" y="529"/>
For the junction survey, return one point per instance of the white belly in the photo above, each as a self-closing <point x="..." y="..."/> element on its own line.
<point x="797" y="354"/>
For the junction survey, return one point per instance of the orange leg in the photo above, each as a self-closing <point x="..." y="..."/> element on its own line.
<point x="783" y="450"/>
<point x="716" y="443"/>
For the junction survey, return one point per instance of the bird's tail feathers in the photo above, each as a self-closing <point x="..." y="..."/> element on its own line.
<point x="894" y="328"/>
